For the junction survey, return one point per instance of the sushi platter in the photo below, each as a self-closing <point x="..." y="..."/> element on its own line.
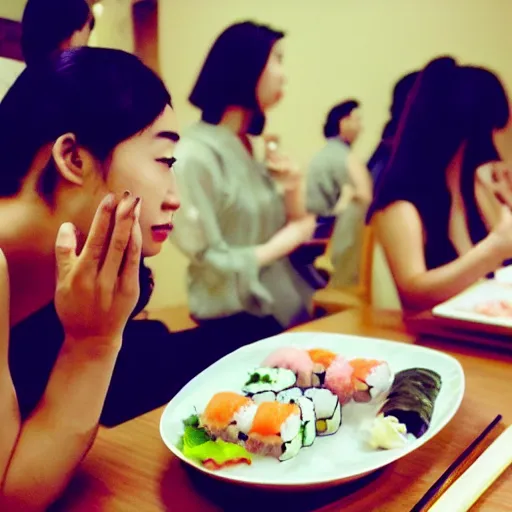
<point x="306" y="410"/>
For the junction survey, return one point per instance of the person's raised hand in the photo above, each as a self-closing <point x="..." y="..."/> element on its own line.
<point x="98" y="289"/>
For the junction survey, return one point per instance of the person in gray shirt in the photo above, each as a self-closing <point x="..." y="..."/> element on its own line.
<point x="339" y="185"/>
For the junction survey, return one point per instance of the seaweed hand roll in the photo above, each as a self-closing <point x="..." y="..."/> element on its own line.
<point x="412" y="398"/>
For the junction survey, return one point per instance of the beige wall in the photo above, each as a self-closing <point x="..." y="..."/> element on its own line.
<point x="334" y="49"/>
<point x="9" y="71"/>
<point x="12" y="9"/>
<point x="114" y="26"/>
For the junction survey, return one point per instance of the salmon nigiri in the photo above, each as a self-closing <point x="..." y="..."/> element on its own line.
<point x="276" y="430"/>
<point x="227" y="415"/>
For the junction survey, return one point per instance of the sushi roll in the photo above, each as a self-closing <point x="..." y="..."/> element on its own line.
<point x="307" y="413"/>
<point x="327" y="410"/>
<point x="228" y="415"/>
<point x="371" y="379"/>
<point x="338" y="379"/>
<point x="322" y="359"/>
<point x="308" y="418"/>
<point x="269" y="381"/>
<point x="412" y="398"/>
<point x="294" y="359"/>
<point x="276" y="431"/>
<point x="264" y="396"/>
<point x="286" y="396"/>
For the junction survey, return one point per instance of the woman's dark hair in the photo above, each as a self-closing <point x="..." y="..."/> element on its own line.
<point x="380" y="157"/>
<point x="46" y="24"/>
<point x="400" y="94"/>
<point x="231" y="72"/>
<point x="103" y="96"/>
<point x="448" y="106"/>
<point x="336" y="114"/>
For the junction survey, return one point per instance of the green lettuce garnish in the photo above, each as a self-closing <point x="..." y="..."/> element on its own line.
<point x="217" y="451"/>
<point x="192" y="421"/>
<point x="197" y="444"/>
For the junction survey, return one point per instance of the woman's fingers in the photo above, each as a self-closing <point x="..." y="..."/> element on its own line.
<point x="129" y="277"/>
<point x="497" y="178"/>
<point x="119" y="242"/>
<point x="65" y="250"/>
<point x="97" y="242"/>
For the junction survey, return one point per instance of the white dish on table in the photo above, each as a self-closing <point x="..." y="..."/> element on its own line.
<point x="332" y="460"/>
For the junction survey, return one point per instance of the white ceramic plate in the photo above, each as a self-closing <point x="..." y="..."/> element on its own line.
<point x="461" y="306"/>
<point x="331" y="460"/>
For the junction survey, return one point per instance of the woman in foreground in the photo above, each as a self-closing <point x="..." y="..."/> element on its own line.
<point x="436" y="210"/>
<point x="90" y="142"/>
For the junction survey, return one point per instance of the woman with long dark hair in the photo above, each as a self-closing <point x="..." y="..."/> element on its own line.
<point x="431" y="212"/>
<point x="241" y="282"/>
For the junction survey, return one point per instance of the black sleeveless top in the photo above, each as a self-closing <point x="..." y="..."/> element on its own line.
<point x="35" y="343"/>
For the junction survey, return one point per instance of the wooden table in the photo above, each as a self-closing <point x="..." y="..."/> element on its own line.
<point x="130" y="469"/>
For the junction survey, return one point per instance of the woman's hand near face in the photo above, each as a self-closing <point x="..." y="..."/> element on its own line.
<point x="289" y="176"/>
<point x="284" y="170"/>
<point x="501" y="235"/>
<point x="496" y="178"/>
<point x="97" y="290"/>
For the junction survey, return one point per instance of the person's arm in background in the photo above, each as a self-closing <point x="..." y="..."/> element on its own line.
<point x="360" y="178"/>
<point x="95" y="294"/>
<point x="399" y="230"/>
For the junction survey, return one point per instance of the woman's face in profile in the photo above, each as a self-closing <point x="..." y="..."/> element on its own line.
<point x="270" y="87"/>
<point x="143" y="165"/>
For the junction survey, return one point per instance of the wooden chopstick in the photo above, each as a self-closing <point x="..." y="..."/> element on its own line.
<point x="461" y="463"/>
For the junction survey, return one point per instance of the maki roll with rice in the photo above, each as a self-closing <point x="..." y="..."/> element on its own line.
<point x="263" y="384"/>
<point x="307" y="413"/>
<point x="327" y="410"/>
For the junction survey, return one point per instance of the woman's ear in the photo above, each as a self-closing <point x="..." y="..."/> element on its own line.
<point x="68" y="160"/>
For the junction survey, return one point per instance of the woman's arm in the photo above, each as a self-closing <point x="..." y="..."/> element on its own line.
<point x="95" y="294"/>
<point x="10" y="424"/>
<point x="400" y="231"/>
<point x="286" y="240"/>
